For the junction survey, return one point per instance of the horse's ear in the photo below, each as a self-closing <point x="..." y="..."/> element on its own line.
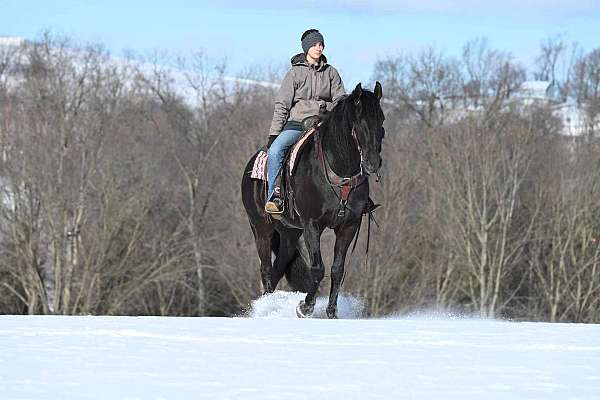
<point x="378" y="90"/>
<point x="356" y="93"/>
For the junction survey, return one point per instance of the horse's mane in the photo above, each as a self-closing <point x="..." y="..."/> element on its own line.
<point x="337" y="126"/>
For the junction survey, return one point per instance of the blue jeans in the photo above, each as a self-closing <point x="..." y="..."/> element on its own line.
<point x="279" y="147"/>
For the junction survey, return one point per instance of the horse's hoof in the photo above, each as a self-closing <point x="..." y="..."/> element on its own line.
<point x="303" y="310"/>
<point x="331" y="314"/>
<point x="268" y="290"/>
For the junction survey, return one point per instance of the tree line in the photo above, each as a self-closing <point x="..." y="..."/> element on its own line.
<point x="120" y="179"/>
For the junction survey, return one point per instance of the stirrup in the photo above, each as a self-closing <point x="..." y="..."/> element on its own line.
<point x="274" y="208"/>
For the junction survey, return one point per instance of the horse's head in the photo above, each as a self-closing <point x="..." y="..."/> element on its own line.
<point x="368" y="126"/>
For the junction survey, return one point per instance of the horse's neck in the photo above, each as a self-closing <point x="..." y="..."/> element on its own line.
<point x="340" y="150"/>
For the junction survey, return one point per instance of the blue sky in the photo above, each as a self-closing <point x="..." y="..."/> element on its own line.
<point x="266" y="33"/>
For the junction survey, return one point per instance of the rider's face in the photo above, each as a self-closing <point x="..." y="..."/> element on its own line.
<point x="316" y="51"/>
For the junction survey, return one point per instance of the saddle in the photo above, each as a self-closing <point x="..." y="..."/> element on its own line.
<point x="259" y="169"/>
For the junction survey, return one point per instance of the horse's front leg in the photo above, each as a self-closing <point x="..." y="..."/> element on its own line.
<point x="316" y="270"/>
<point x="343" y="238"/>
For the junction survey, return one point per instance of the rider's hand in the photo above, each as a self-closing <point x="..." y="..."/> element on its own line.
<point x="322" y="106"/>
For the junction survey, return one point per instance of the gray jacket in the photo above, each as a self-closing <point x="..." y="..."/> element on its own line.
<point x="304" y="90"/>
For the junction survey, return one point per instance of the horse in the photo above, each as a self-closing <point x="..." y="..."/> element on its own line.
<point x="329" y="188"/>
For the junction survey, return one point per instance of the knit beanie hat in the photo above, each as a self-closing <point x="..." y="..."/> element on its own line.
<point x="311" y="39"/>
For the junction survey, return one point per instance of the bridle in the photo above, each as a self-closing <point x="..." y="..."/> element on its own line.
<point x="363" y="171"/>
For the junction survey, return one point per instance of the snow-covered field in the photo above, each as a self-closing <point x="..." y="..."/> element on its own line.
<point x="273" y="355"/>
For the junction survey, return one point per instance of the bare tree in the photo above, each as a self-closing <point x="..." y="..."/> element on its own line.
<point x="119" y="185"/>
<point x="564" y="255"/>
<point x="483" y="169"/>
<point x="585" y="88"/>
<point x="424" y="85"/>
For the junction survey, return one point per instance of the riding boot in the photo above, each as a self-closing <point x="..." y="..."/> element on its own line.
<point x="274" y="206"/>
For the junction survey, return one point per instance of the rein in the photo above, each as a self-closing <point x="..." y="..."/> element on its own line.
<point x="346" y="184"/>
<point x="362" y="158"/>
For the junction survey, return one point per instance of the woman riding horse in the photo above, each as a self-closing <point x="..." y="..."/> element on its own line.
<point x="331" y="179"/>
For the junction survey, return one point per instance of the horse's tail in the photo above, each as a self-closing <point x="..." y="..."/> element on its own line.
<point x="296" y="272"/>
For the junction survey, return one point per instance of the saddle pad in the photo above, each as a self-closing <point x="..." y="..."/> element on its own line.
<point x="297" y="147"/>
<point x="259" y="169"/>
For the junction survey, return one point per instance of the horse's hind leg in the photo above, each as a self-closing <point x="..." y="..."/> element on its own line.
<point x="343" y="238"/>
<point x="262" y="237"/>
<point x="312" y="238"/>
<point x="288" y="240"/>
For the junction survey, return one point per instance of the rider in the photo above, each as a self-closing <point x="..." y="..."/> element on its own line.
<point x="309" y="88"/>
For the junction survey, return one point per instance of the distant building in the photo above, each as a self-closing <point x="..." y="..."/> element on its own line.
<point x="545" y="93"/>
<point x="536" y="91"/>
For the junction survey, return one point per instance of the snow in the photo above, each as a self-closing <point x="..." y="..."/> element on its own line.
<point x="267" y="355"/>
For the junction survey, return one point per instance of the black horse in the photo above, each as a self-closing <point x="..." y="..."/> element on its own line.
<point x="330" y="190"/>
